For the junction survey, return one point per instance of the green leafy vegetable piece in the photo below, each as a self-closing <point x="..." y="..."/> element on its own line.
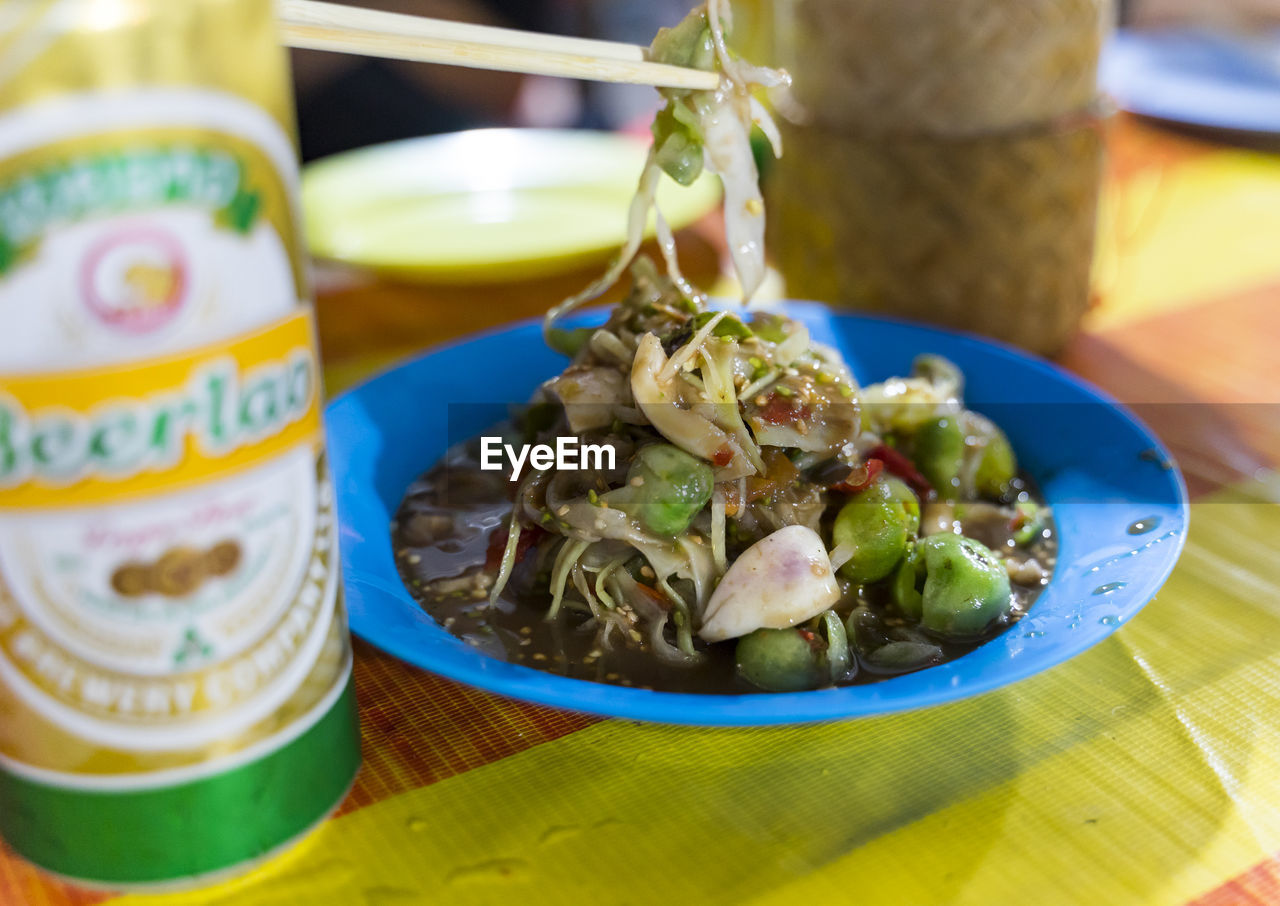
<point x="728" y="326"/>
<point x="569" y="342"/>
<point x="687" y="44"/>
<point x="838" y="658"/>
<point x="762" y="152"/>
<point x="666" y="487"/>
<point x="677" y="142"/>
<point x="770" y="327"/>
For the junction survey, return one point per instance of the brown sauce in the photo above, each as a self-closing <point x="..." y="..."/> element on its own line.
<point x="442" y="533"/>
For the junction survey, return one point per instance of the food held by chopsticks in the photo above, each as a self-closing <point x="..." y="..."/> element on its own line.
<point x="705" y="499"/>
<point x="311" y="25"/>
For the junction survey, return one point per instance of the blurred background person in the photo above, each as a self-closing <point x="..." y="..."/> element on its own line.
<point x="346" y="101"/>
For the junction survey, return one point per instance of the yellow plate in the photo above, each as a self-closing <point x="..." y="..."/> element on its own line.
<point x="485" y="205"/>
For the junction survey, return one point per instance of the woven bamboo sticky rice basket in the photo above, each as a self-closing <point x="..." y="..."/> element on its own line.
<point x="939" y="67"/>
<point x="992" y="234"/>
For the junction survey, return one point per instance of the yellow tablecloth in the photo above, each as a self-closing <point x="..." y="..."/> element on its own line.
<point x="1147" y="770"/>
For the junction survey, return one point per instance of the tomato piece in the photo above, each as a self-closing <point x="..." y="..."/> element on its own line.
<point x="529" y="538"/>
<point x="861" y="477"/>
<point x="895" y="463"/>
<point x="656" y="596"/>
<point x="780" y="410"/>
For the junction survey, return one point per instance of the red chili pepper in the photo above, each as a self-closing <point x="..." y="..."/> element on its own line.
<point x="860" y="478"/>
<point x="897" y="464"/>
<point x="658" y="597"/>
<point x="779" y="410"/>
<point x="723" y="456"/>
<point x="529" y="537"/>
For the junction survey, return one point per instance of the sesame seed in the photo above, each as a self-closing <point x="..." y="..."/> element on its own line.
<point x="563" y="511"/>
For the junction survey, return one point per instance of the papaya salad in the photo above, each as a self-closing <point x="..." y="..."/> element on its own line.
<point x="754" y="519"/>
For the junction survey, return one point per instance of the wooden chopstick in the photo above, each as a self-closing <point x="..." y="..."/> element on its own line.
<point x="346" y="29"/>
<point x="342" y="18"/>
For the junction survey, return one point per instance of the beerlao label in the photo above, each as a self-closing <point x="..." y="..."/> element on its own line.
<point x="168" y="563"/>
<point x="112" y="433"/>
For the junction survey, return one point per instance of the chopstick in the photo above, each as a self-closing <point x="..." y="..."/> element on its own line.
<point x="312" y="25"/>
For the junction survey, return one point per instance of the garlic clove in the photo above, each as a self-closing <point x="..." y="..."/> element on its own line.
<point x="783" y="579"/>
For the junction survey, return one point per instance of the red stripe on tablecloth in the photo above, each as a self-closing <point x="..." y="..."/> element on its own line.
<point x="1217" y="413"/>
<point x="22" y="885"/>
<point x="1135" y="146"/>
<point x="418" y="728"/>
<point x="1259" y="886"/>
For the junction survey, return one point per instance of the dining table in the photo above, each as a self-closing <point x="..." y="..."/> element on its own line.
<point x="1145" y="770"/>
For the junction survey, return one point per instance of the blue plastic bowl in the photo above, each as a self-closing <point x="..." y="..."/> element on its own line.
<point x="1120" y="504"/>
